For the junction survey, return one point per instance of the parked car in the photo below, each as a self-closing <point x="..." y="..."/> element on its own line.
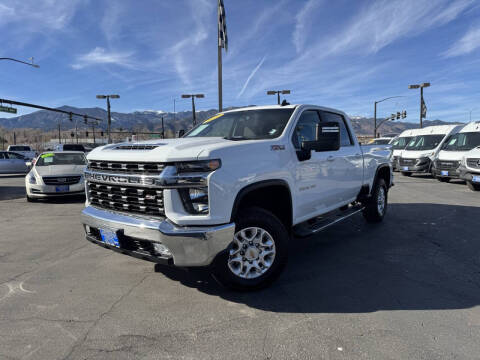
<point x="470" y="169"/>
<point x="423" y="147"/>
<point x="380" y="141"/>
<point x="447" y="162"/>
<point x="230" y="193"/>
<point x="25" y="150"/>
<point x="398" y="145"/>
<point x="12" y="163"/>
<point x="56" y="174"/>
<point x="69" y="147"/>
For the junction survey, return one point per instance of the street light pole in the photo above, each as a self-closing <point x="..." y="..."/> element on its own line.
<point x="375" y="127"/>
<point x="22" y="62"/>
<point x="421" y="86"/>
<point x="109" y="117"/>
<point x="193" y="96"/>
<point x="278" y="92"/>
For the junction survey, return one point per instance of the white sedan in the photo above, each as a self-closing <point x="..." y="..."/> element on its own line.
<point x="56" y="174"/>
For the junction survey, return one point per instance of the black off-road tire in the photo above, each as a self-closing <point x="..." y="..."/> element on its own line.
<point x="261" y="218"/>
<point x="406" y="173"/>
<point x="373" y="213"/>
<point x="472" y="186"/>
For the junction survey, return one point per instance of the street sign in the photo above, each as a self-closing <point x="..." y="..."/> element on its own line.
<point x="10" y="110"/>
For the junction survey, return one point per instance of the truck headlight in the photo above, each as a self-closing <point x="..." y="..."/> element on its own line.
<point x="198" y="166"/>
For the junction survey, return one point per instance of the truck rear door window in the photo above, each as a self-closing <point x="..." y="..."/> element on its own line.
<point x="345" y="136"/>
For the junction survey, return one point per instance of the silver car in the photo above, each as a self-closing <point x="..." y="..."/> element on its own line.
<point x="12" y="163"/>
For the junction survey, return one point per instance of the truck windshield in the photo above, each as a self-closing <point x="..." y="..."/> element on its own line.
<point x="401" y="143"/>
<point x="244" y="125"/>
<point x="462" y="142"/>
<point x="48" y="159"/>
<point x="19" y="148"/>
<point x="424" y="142"/>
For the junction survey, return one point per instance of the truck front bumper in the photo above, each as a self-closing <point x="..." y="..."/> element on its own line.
<point x="142" y="238"/>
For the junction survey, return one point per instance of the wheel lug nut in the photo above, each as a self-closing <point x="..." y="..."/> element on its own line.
<point x="250" y="243"/>
<point x="244" y="246"/>
<point x="242" y="252"/>
<point x="244" y="259"/>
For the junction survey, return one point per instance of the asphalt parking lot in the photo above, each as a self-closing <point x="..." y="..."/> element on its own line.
<point x="408" y="288"/>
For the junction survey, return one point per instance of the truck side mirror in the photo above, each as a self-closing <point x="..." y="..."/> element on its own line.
<point x="328" y="138"/>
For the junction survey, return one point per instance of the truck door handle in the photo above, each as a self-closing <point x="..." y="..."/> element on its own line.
<point x="330" y="158"/>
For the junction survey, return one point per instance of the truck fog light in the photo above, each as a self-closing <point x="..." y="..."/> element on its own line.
<point x="161" y="249"/>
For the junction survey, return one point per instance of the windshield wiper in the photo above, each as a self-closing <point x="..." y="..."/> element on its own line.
<point x="236" y="138"/>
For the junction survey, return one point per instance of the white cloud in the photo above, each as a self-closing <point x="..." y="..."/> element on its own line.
<point x="252" y="74"/>
<point x="37" y="15"/>
<point x="384" y="22"/>
<point x="468" y="43"/>
<point x="100" y="56"/>
<point x="302" y="23"/>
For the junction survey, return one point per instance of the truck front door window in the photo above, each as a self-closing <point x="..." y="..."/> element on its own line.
<point x="306" y="128"/>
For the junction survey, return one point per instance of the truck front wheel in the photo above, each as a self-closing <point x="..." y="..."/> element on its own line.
<point x="257" y="254"/>
<point x="376" y="205"/>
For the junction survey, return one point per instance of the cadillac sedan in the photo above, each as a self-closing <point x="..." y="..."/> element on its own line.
<point x="56" y="174"/>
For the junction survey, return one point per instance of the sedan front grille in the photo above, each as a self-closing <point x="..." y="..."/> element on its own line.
<point x="61" y="180"/>
<point x="446" y="165"/>
<point x="473" y="163"/>
<point x="127" y="199"/>
<point x="126" y="167"/>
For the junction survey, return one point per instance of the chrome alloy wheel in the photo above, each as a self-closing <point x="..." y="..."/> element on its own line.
<point x="381" y="198"/>
<point x="252" y="253"/>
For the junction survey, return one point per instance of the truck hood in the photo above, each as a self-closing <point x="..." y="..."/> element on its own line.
<point x="166" y="150"/>
<point x="54" y="170"/>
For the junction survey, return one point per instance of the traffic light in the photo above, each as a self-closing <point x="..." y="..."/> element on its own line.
<point x="398" y="115"/>
<point x="86" y="133"/>
<point x="404" y="114"/>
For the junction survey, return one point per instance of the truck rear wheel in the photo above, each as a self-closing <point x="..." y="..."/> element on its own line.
<point x="257" y="254"/>
<point x="376" y="205"/>
<point x="472" y="186"/>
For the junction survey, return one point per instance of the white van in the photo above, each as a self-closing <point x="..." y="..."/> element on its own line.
<point x="470" y="169"/>
<point x="447" y="161"/>
<point x="421" y="150"/>
<point x="398" y="144"/>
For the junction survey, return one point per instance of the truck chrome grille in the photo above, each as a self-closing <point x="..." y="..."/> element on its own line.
<point x="126" y="167"/>
<point x="61" y="180"/>
<point x="127" y="199"/>
<point x="473" y="163"/>
<point x="446" y="164"/>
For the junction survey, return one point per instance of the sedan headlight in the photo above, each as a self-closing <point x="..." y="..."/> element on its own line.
<point x="32" y="179"/>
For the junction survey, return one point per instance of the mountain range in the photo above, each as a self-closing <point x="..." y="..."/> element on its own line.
<point x="151" y="120"/>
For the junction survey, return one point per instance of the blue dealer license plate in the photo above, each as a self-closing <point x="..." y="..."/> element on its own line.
<point x="405" y="168"/>
<point x="476" y="179"/>
<point x="444" y="173"/>
<point x="62" y="188"/>
<point x="109" y="238"/>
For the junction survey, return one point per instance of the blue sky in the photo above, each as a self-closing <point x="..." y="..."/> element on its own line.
<point x="343" y="54"/>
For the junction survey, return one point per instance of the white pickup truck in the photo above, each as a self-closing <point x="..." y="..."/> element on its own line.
<point x="234" y="190"/>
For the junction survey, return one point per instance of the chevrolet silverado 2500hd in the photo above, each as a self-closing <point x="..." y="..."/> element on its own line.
<point x="234" y="190"/>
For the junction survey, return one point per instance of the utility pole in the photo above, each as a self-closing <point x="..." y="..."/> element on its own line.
<point x="163" y="130"/>
<point x="109" y="118"/>
<point x="222" y="43"/>
<point x="423" y="114"/>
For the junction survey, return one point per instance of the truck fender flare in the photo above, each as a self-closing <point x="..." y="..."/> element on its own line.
<point x="255" y="186"/>
<point x="380" y="167"/>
